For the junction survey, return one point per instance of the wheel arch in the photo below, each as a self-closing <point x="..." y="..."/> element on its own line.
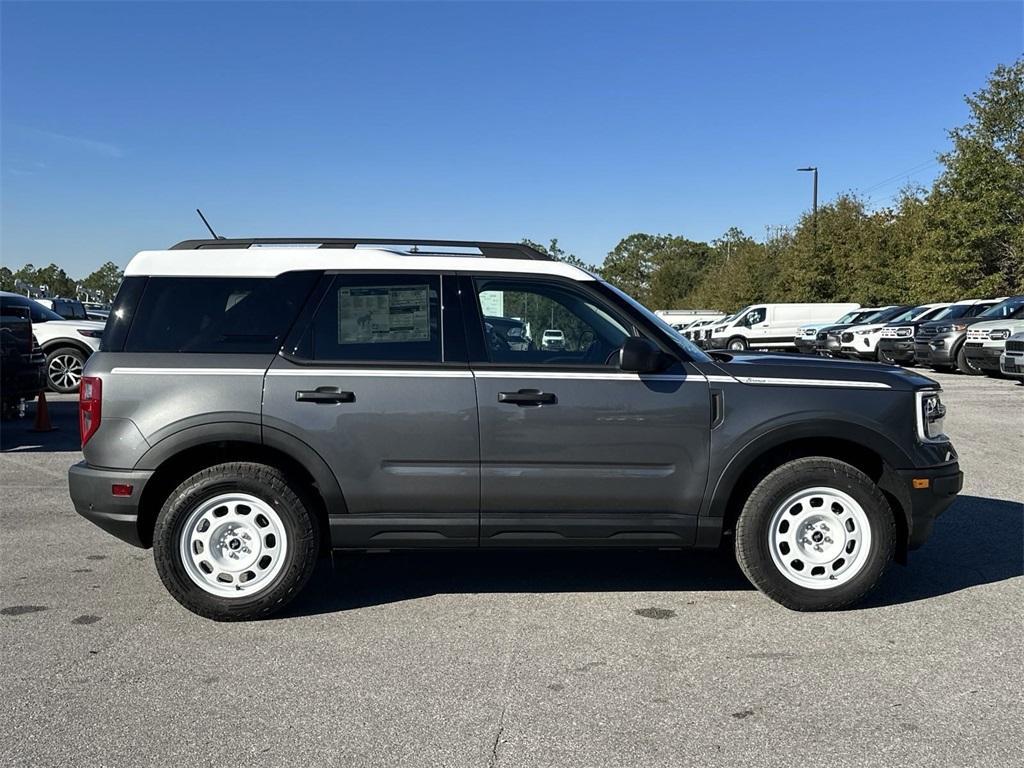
<point x="181" y="455"/>
<point x="872" y="453"/>
<point x="54" y="344"/>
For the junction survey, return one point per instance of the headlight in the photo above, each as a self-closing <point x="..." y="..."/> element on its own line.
<point x="930" y="416"/>
<point x="998" y="334"/>
<point x="944" y="329"/>
<point x="958" y="327"/>
<point x="89" y="333"/>
<point x="904" y="332"/>
<point x="864" y="333"/>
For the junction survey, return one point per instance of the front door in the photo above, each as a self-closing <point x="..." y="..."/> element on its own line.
<point x="369" y="384"/>
<point x="573" y="450"/>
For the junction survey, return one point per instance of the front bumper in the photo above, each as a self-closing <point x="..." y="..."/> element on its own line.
<point x="925" y="504"/>
<point x="805" y="346"/>
<point x="855" y="353"/>
<point x="901" y="350"/>
<point x="90" y="489"/>
<point x="986" y="358"/>
<point x="1012" y="364"/>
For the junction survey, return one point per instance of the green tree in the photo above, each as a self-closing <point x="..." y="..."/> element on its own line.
<point x="556" y="252"/>
<point x="104" y="282"/>
<point x="55" y="281"/>
<point x="975" y="222"/>
<point x="6" y="279"/>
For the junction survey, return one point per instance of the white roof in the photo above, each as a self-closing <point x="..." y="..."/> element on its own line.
<point x="270" y="262"/>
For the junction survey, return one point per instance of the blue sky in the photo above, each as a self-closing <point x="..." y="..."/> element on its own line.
<point x="585" y="122"/>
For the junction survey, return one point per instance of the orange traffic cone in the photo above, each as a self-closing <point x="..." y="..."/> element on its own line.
<point x="42" y="415"/>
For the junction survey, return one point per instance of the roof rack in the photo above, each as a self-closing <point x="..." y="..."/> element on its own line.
<point x="487" y="249"/>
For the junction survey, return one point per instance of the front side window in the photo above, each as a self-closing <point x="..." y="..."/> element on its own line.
<point x="528" y="322"/>
<point x="383" y="318"/>
<point x="755" y="316"/>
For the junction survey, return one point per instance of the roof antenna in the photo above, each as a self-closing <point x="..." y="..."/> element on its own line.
<point x="215" y="235"/>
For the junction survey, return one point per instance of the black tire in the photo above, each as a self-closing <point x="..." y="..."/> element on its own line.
<point x="752" y="534"/>
<point x="737" y="344"/>
<point x="965" y="365"/>
<point x="64" y="367"/>
<point x="267" y="484"/>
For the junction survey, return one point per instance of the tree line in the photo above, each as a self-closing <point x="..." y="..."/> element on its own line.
<point x="963" y="238"/>
<point x="52" y="280"/>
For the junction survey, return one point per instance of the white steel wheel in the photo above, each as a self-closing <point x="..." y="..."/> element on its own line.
<point x="819" y="538"/>
<point x="233" y="545"/>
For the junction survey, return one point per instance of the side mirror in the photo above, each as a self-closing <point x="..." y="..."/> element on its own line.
<point x="638" y="355"/>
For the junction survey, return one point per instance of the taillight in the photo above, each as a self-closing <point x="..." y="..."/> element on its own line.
<point x="90" y="407"/>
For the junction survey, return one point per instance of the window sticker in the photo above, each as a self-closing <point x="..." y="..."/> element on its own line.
<point x="372" y="314"/>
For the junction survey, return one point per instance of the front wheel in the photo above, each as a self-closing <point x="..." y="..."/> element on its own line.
<point x="816" y="534"/>
<point x="235" y="542"/>
<point x="964" y="363"/>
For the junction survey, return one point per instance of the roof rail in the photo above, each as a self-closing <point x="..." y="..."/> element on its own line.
<point x="489" y="250"/>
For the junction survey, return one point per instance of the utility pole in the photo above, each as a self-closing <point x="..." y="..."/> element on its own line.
<point x="814" y="209"/>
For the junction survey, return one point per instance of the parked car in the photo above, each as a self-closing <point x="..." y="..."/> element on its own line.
<point x="553" y="339"/>
<point x="947" y="345"/>
<point x="948" y="330"/>
<point x="680" y="319"/>
<point x="987" y="340"/>
<point x="859" y="342"/>
<point x="896" y="339"/>
<point x="509" y="331"/>
<point x="67" y="344"/>
<point x="323" y="397"/>
<point x="772" y="326"/>
<point x="806" y="338"/>
<point x="22" y="363"/>
<point x="829" y="343"/>
<point x="1011" y="362"/>
<point x="69" y="309"/>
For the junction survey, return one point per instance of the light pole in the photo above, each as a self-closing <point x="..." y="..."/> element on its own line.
<point x="814" y="210"/>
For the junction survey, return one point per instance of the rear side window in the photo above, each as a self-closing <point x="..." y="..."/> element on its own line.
<point x="215" y="314"/>
<point x="383" y="318"/>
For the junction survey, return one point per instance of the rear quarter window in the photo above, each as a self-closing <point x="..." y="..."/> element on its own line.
<point x="209" y="314"/>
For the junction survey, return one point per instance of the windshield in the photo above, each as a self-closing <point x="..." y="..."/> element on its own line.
<point x="695" y="353"/>
<point x="1006" y="309"/>
<point x="953" y="311"/>
<point x="886" y="315"/>
<point x="849" y="317"/>
<point x="913" y="314"/>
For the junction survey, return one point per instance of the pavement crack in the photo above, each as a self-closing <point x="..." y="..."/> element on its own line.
<point x="497" y="738"/>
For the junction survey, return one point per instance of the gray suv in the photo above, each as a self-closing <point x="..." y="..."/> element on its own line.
<point x="252" y="406"/>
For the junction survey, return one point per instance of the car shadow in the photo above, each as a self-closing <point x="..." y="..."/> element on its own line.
<point x="977" y="541"/>
<point x="17" y="435"/>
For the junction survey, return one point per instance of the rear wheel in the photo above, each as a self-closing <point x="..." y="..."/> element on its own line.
<point x="964" y="363"/>
<point x="737" y="344"/>
<point x="235" y="541"/>
<point x="816" y="534"/>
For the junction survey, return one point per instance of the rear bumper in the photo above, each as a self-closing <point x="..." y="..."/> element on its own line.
<point x="90" y="489"/>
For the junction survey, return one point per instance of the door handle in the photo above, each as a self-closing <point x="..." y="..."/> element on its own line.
<point x="324" y="395"/>
<point x="527" y="397"/>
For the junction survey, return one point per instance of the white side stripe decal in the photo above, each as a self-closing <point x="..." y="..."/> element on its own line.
<point x="813" y="382"/>
<point x="190" y="371"/>
<point x="375" y="372"/>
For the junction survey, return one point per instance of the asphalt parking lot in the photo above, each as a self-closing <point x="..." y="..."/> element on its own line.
<point x="517" y="659"/>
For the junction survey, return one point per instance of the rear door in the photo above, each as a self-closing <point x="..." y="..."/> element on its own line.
<point x="574" y="450"/>
<point x="375" y="380"/>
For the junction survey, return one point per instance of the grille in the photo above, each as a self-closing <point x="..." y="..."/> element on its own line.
<point x="926" y="332"/>
<point x="974" y="344"/>
<point x="1015" y="346"/>
<point x="847" y="338"/>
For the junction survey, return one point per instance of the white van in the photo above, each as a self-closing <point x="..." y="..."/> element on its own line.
<point x="772" y="326"/>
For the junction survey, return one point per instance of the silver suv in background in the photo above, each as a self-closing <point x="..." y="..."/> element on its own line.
<point x="941" y="343"/>
<point x="248" y="409"/>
